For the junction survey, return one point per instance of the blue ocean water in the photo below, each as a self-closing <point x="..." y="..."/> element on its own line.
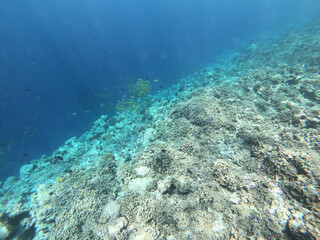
<point x="64" y="63"/>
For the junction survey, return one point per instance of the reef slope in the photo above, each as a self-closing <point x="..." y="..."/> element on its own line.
<point x="231" y="152"/>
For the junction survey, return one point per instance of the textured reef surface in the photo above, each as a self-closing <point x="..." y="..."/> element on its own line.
<point x="230" y="152"/>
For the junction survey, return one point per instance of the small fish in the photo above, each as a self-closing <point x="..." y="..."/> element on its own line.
<point x="95" y="136"/>
<point x="74" y="114"/>
<point x="156" y="80"/>
<point x="55" y="159"/>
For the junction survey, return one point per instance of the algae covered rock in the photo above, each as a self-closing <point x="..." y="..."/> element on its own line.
<point x="26" y="170"/>
<point x="110" y="211"/>
<point x="9" y="183"/>
<point x="114" y="227"/>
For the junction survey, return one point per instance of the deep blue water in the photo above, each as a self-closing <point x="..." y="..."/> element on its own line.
<point x="64" y="63"/>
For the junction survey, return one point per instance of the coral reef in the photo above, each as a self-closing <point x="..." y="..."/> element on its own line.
<point x="230" y="152"/>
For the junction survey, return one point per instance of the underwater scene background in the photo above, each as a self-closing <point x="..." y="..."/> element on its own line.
<point x="160" y="120"/>
<point x="63" y="64"/>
